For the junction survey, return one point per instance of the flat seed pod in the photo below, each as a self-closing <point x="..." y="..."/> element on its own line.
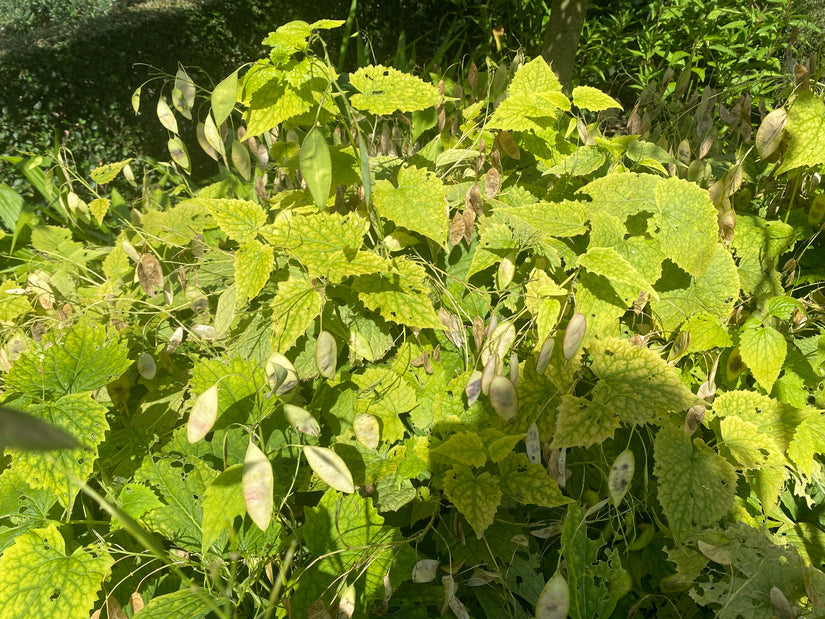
<point x="473" y="388"/>
<point x="770" y="133"/>
<point x="326" y="354"/>
<point x="346" y="604"/>
<point x="330" y="468"/>
<point x="200" y="134"/>
<point x="150" y="274"/>
<point x="532" y="444"/>
<point x="514" y="369"/>
<point x="425" y="570"/>
<point x="179" y="153"/>
<point x="489" y="373"/>
<point x="223" y="98"/>
<point x="620" y="476"/>
<point x="316" y="166"/>
<point x="500" y="341"/>
<point x="146" y="366"/>
<point x="175" y="340"/>
<point x="506" y="271"/>
<point x="573" y="335"/>
<point x="203" y="415"/>
<point x="302" y="420"/>
<point x="280" y="373"/>
<point x="130" y="251"/>
<point x="165" y="115"/>
<point x="781" y="607"/>
<point x="241" y="160"/>
<point x="258" y="483"/>
<point x="367" y="430"/>
<point x="554" y="599"/>
<point x="504" y="398"/>
<point x="478" y="331"/>
<point x="508" y="145"/>
<point x="456" y="230"/>
<point x="543" y="360"/>
<point x="213" y="136"/>
<point x="205" y="332"/>
<point x="492" y="183"/>
<point x="472" y="200"/>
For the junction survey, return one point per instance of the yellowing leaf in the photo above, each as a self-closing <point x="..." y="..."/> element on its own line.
<point x="295" y="306"/>
<point x="463" y="447"/>
<point x="330" y="468"/>
<point x="750" y="448"/>
<point x="107" y="173"/>
<point x="808" y="440"/>
<point x="696" y="485"/>
<point x="607" y="262"/>
<point x="383" y="90"/>
<point x="593" y="99"/>
<point x="806" y="132"/>
<point x="253" y="265"/>
<point x="476" y="497"/>
<point x="40" y="580"/>
<point x="258" y="486"/>
<point x="239" y="219"/>
<point x="763" y="350"/>
<point x="529" y="483"/>
<point x="417" y="203"/>
<point x="580" y="422"/>
<point x="533" y="99"/>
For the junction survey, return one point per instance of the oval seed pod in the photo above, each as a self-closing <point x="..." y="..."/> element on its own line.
<point x="770" y="133"/>
<point x="425" y="570"/>
<point x="473" y="388"/>
<point x="489" y="373"/>
<point x="330" y="468"/>
<point x="506" y="271"/>
<point x="205" y="332"/>
<point x="346" y="605"/>
<point x="514" y="369"/>
<point x="554" y="599"/>
<point x="816" y="212"/>
<point x="532" y="444"/>
<point x="280" y="373"/>
<point x="543" y="360"/>
<point x="504" y="398"/>
<point x="500" y="341"/>
<point x="781" y="607"/>
<point x="258" y="483"/>
<point x="620" y="476"/>
<point x="130" y="250"/>
<point x="367" y="430"/>
<point x="302" y="420"/>
<point x="573" y="335"/>
<point x="326" y="354"/>
<point x="203" y="415"/>
<point x="146" y="366"/>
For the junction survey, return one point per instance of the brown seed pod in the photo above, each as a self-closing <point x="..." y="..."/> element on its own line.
<point x="504" y="398"/>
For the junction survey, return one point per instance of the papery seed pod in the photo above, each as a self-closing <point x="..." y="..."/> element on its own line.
<point x="330" y="468"/>
<point x="492" y="183"/>
<point x="346" y="604"/>
<point x="500" y="341"/>
<point x="514" y="369"/>
<point x="302" y="420"/>
<point x="694" y="418"/>
<point x="554" y="599"/>
<point x="150" y="274"/>
<point x="425" y="570"/>
<point x="146" y="366"/>
<point x="258" y="483"/>
<point x="456" y="230"/>
<point x="478" y="331"/>
<point x="770" y="133"/>
<point x="203" y="415"/>
<point x="504" y="398"/>
<point x="326" y="354"/>
<point x="205" y="332"/>
<point x="573" y="335"/>
<point x="473" y="201"/>
<point x="532" y="444"/>
<point x="367" y="430"/>
<point x="280" y="373"/>
<point x="473" y="388"/>
<point x="175" y="340"/>
<point x="489" y="373"/>
<point x="620" y="476"/>
<point x="680" y="346"/>
<point x="781" y="607"/>
<point x="543" y="360"/>
<point x="506" y="271"/>
<point x="130" y="250"/>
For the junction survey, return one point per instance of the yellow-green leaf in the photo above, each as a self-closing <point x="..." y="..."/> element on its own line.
<point x="99" y="207"/>
<point x="417" y="203"/>
<point x="763" y="350"/>
<point x="607" y="262"/>
<point x="593" y="99"/>
<point x="463" y="447"/>
<point x="383" y="90"/>
<point x="223" y="98"/>
<point x="476" y="497"/>
<point x="107" y="173"/>
<point x="239" y="219"/>
<point x="253" y="265"/>
<point x="38" y="579"/>
<point x="223" y="501"/>
<point x="805" y="128"/>
<point x="533" y="99"/>
<point x="528" y="483"/>
<point x="316" y="166"/>
<point x="296" y="304"/>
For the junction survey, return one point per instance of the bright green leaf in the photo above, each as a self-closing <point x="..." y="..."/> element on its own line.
<point x="533" y="99"/>
<point x="383" y="90"/>
<point x="253" y="265"/>
<point x="107" y="173"/>
<point x="316" y="166"/>
<point x="417" y="203"/>
<point x="296" y="304"/>
<point x="593" y="99"/>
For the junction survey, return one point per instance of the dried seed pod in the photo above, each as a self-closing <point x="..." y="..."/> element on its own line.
<point x="146" y="366"/>
<point x="554" y="600"/>
<point x="573" y="335"/>
<point x="367" y="430"/>
<point x="150" y="274"/>
<point x="478" y="331"/>
<point x="543" y="360"/>
<point x="514" y="368"/>
<point x="620" y="476"/>
<point x="425" y="570"/>
<point x="492" y="183"/>
<point x="473" y="388"/>
<point x="456" y="230"/>
<point x="330" y="468"/>
<point x="472" y="200"/>
<point x="280" y="373"/>
<point x="258" y="483"/>
<point x="489" y="373"/>
<point x="203" y="415"/>
<point x="532" y="444"/>
<point x="506" y="271"/>
<point x="326" y="354"/>
<point x="302" y="420"/>
<point x="770" y="133"/>
<point x="346" y="605"/>
<point x="504" y="398"/>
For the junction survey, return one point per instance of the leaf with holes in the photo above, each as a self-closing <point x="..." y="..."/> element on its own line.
<point x="383" y="90"/>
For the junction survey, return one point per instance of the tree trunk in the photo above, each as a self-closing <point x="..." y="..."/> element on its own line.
<point x="561" y="38"/>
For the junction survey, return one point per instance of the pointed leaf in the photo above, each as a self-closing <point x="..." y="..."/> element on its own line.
<point x="383" y="90"/>
<point x="463" y="447"/>
<point x="223" y="501"/>
<point x="476" y="497"/>
<point x="763" y="350"/>
<point x="593" y="99"/>
<point x="253" y="266"/>
<point x="294" y="308"/>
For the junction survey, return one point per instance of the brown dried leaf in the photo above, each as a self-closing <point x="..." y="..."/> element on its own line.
<point x="472" y="77"/>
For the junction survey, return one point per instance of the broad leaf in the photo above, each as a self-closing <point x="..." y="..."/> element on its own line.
<point x="607" y="262"/>
<point x="462" y="447"/>
<point x="239" y="219"/>
<point x="416" y="203"/>
<point x="476" y="497"/>
<point x="593" y="99"/>
<point x="383" y="90"/>
<point x="805" y="128"/>
<point x="528" y="483"/>
<point x="294" y="308"/>
<point x="533" y="99"/>
<point x="763" y="350"/>
<point x="253" y="265"/>
<point x="222" y="502"/>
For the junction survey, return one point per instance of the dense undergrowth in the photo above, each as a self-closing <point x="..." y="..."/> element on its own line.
<point x="419" y="348"/>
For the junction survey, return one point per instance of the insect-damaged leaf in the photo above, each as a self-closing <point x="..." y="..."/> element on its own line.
<point x="330" y="468"/>
<point x="258" y="486"/>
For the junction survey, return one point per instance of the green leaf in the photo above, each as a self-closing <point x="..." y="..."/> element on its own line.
<point x="502" y="445"/>
<point x="383" y="90"/>
<point x="184" y="603"/>
<point x="11" y="205"/>
<point x="84" y="419"/>
<point x="696" y="486"/>
<point x="12" y="305"/>
<point x="763" y="350"/>
<point x="107" y="173"/>
<point x="543" y="298"/>
<point x="805" y="128"/>
<point x="528" y="483"/>
<point x="288" y="39"/>
<point x="223" y="98"/>
<point x="238" y="381"/>
<point x="533" y="99"/>
<point x="222" y="503"/>
<point x="294" y="307"/>
<point x="180" y="482"/>
<point x="607" y="262"/>
<point x="241" y="220"/>
<point x="581" y="422"/>
<point x="84" y="358"/>
<point x="593" y="99"/>
<point x="38" y="579"/>
<point x="558" y="219"/>
<point x="738" y="436"/>
<point x="316" y="166"/>
<point x="136" y="500"/>
<point x="417" y="203"/>
<point x="476" y="498"/>
<point x="808" y="440"/>
<point x="585" y="160"/>
<point x="462" y="447"/>
<point x="253" y="265"/>
<point x="401" y="295"/>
